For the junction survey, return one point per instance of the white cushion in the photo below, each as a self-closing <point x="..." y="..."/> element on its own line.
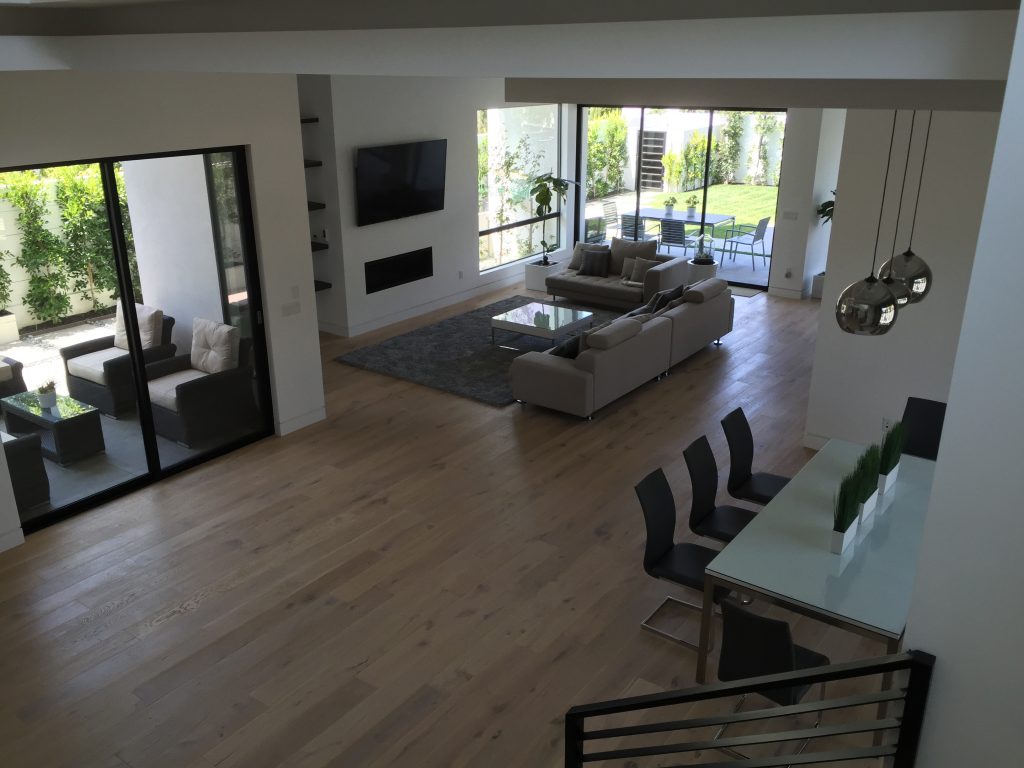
<point x="214" y="346"/>
<point x="151" y="323"/>
<point x="90" y="366"/>
<point x="163" y="391"/>
<point x="6" y="372"/>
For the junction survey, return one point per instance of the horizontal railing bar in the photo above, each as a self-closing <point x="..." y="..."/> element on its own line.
<point x="521" y="223"/>
<point x="879" y="697"/>
<point x="805" y="758"/>
<point x="824" y="731"/>
<point x="747" y="685"/>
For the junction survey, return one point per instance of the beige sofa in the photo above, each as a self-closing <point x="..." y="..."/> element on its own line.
<point x="612" y="290"/>
<point x="624" y="354"/>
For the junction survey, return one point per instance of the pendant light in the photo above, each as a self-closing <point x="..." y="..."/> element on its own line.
<point x="867" y="307"/>
<point x="908" y="268"/>
<point x="898" y="288"/>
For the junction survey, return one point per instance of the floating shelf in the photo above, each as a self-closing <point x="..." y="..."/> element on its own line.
<point x="318" y="245"/>
<point x="315" y="206"/>
<point x="308" y="120"/>
<point x="321" y="285"/>
<point x="313" y="163"/>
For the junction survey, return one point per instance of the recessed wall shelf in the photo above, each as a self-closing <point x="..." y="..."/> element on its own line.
<point x="308" y="120"/>
<point x="321" y="285"/>
<point x="318" y="246"/>
<point x="313" y="163"/>
<point x="315" y="206"/>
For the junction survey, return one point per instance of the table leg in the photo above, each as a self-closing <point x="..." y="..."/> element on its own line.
<point x="707" y="616"/>
<point x="892" y="647"/>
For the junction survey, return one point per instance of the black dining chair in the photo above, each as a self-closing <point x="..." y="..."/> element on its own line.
<point x="681" y="564"/>
<point x="743" y="483"/>
<point x="706" y="519"/>
<point x="923" y="421"/>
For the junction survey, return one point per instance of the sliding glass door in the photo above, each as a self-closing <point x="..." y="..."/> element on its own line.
<point x="673" y="175"/>
<point x="131" y="285"/>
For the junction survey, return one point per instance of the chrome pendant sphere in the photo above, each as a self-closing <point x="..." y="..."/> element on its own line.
<point x="866" y="308"/>
<point x="911" y="270"/>
<point x="898" y="289"/>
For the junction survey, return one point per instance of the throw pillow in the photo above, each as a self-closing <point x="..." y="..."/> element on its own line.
<point x="627" y="267"/>
<point x="214" y="346"/>
<point x="641" y="268"/>
<point x="672" y="305"/>
<point x="151" y="322"/>
<point x="594" y="264"/>
<point x="568" y="348"/>
<point x="635" y="249"/>
<point x="577" y="252"/>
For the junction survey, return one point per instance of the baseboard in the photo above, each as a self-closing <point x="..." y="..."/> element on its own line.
<point x="12" y="539"/>
<point x="299" y="422"/>
<point x="814" y="442"/>
<point x="786" y="293"/>
<point x="335" y="329"/>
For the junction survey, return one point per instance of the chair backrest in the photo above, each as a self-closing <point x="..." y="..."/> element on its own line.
<point x="700" y="461"/>
<point x="762" y="227"/>
<point x="611" y="213"/>
<point x="673" y="232"/>
<point x="594" y="230"/>
<point x="923" y="420"/>
<point x="659" y="508"/>
<point x="630" y="225"/>
<point x="753" y="645"/>
<point x="165" y="330"/>
<point x="741" y="448"/>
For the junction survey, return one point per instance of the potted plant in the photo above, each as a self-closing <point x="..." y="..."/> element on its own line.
<point x="545" y="189"/>
<point x="670" y="203"/>
<point x="46" y="395"/>
<point x="691" y="205"/>
<point x="867" y="481"/>
<point x="8" y="322"/>
<point x="889" y="461"/>
<point x="844" y="514"/>
<point x="825" y="210"/>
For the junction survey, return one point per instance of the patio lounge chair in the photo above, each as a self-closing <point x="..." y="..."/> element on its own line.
<point x="28" y="473"/>
<point x="11" y="380"/>
<point x="747" y="237"/>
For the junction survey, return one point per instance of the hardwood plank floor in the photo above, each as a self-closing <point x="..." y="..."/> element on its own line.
<point x="419" y="580"/>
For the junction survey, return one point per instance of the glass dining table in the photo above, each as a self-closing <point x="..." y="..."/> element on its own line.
<point x="783" y="554"/>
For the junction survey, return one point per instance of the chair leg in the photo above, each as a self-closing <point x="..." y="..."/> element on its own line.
<point x="645" y="624"/>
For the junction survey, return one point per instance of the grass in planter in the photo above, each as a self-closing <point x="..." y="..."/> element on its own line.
<point x="867" y="473"/>
<point x="844" y="509"/>
<point x="892" y="448"/>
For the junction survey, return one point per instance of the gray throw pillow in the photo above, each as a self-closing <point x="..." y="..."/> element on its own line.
<point x="631" y="249"/>
<point x="595" y="264"/>
<point x="569" y="348"/>
<point x="627" y="267"/>
<point x="661" y="300"/>
<point x="577" y="252"/>
<point x="641" y="268"/>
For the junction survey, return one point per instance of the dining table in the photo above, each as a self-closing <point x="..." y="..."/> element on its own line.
<point x="680" y="214"/>
<point x="783" y="555"/>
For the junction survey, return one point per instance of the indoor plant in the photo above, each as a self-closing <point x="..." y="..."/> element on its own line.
<point x="47" y="395"/>
<point x="867" y="481"/>
<point x="8" y="322"/>
<point x="844" y="514"/>
<point x="670" y="203"/>
<point x="545" y="189"/>
<point x="889" y="461"/>
<point x="691" y="205"/>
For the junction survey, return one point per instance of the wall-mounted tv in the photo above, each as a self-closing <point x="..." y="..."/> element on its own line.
<point x="399" y="180"/>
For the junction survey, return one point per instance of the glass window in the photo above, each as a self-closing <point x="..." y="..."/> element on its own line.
<point x="514" y="145"/>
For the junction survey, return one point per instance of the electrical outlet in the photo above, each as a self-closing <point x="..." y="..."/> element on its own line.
<point x="789" y="272"/>
<point x="886" y="423"/>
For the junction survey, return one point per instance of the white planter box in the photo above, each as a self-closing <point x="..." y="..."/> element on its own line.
<point x="817" y="285"/>
<point x="8" y="328"/>
<point x="886" y="482"/>
<point x="536" y="274"/>
<point x="866" y="509"/>
<point x="47" y="399"/>
<point x="842" y="540"/>
<point x="700" y="272"/>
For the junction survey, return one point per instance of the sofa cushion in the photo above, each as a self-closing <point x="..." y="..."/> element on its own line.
<point x="627" y="267"/>
<point x="214" y="346"/>
<point x="642" y="317"/>
<point x="6" y="372"/>
<point x="90" y="366"/>
<point x="594" y="264"/>
<point x="635" y="249"/>
<point x="672" y="305"/>
<point x="568" y="348"/>
<point x="705" y="290"/>
<point x="614" y="333"/>
<point x="163" y="391"/>
<point x="577" y="252"/>
<point x="641" y="268"/>
<point x="597" y="287"/>
<point x="151" y="324"/>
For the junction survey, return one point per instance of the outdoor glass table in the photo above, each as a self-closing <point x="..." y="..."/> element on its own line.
<point x="69" y="432"/>
<point x="783" y="555"/>
<point x="712" y="219"/>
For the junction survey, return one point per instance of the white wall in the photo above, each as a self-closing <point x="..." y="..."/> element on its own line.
<point x="169" y="208"/>
<point x="374" y="110"/>
<point x="826" y="176"/>
<point x="71" y="115"/>
<point x="966" y="603"/>
<point x="859" y="380"/>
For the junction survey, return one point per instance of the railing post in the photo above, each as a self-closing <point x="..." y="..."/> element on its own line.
<point x="913" y="709"/>
<point x="573" y="741"/>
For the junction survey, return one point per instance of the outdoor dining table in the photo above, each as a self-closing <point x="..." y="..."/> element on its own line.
<point x="713" y="220"/>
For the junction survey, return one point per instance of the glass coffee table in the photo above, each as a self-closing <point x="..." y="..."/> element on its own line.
<point x="542" y="319"/>
<point x="69" y="432"/>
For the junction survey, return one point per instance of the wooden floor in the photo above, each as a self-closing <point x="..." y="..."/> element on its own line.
<point x="420" y="580"/>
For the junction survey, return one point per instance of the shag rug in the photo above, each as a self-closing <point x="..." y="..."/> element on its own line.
<point x="456" y="355"/>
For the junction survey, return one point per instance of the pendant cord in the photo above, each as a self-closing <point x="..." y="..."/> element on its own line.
<point x="903" y="188"/>
<point x="920" y="181"/>
<point x="885" y="184"/>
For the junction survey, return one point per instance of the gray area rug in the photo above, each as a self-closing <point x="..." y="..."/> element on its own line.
<point x="456" y="355"/>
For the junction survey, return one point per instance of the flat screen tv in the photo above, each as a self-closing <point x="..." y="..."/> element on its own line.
<point x="399" y="180"/>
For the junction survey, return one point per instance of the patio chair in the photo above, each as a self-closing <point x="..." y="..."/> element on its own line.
<point x="673" y="233"/>
<point x="747" y="237"/>
<point x="594" y="230"/>
<point x="11" y="379"/>
<point x="632" y="228"/>
<point x="24" y="455"/>
<point x="611" y="217"/>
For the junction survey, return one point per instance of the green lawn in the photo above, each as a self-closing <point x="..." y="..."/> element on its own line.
<point x="748" y="203"/>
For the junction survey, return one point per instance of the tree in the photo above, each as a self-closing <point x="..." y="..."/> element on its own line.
<point x="732" y="146"/>
<point x="766" y="124"/>
<point x="512" y="175"/>
<point x="673" y="164"/>
<point x="607" y="152"/>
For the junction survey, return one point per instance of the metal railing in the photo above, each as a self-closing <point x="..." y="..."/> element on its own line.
<point x="895" y="725"/>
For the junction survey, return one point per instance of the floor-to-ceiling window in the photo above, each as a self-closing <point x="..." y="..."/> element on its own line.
<point x="514" y="146"/>
<point x="674" y="175"/>
<point x="130" y="286"/>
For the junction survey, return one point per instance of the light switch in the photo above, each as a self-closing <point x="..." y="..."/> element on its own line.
<point x="790" y="215"/>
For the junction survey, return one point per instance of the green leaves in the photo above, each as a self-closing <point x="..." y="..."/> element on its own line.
<point x="544" y="189"/>
<point x="5" y="281"/>
<point x="892" y="447"/>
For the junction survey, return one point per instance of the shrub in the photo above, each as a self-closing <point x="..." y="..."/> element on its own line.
<point x="5" y="282"/>
<point x="607" y="153"/>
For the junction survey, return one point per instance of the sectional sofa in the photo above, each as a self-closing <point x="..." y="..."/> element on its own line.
<point x="588" y="372"/>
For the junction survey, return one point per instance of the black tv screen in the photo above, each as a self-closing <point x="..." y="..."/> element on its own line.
<point x="399" y="180"/>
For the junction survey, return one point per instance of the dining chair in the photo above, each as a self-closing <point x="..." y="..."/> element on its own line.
<point x="743" y="483"/>
<point x="631" y="227"/>
<point x="747" y="237"/>
<point x="611" y="217"/>
<point x="706" y="519"/>
<point x="673" y="233"/>
<point x="681" y="564"/>
<point x="923" y="421"/>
